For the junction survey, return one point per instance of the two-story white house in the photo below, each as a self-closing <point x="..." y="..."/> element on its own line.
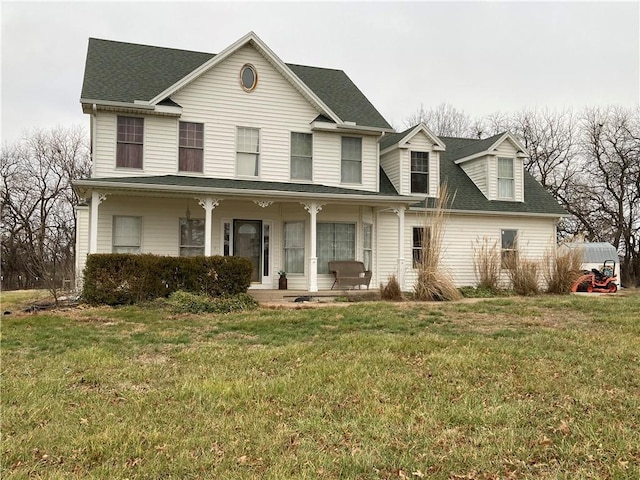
<point x="239" y="153"/>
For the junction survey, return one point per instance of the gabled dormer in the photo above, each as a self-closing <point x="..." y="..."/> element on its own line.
<point x="494" y="164"/>
<point x="411" y="160"/>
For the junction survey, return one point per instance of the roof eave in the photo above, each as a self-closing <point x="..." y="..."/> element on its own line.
<point x="237" y="192"/>
<point x="496" y="213"/>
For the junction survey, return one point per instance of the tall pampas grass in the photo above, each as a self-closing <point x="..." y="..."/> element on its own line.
<point x="434" y="281"/>
<point x="561" y="270"/>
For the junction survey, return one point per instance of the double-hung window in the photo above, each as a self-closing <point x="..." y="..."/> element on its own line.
<point x="419" y="172"/>
<point x="294" y="247"/>
<point x="420" y="247"/>
<point x="130" y="142"/>
<point x="191" y="237"/>
<point x="191" y="150"/>
<point x="247" y="152"/>
<point x="505" y="178"/>
<point x="351" y="165"/>
<point x="301" y="156"/>
<point x="509" y="252"/>
<point x="367" y="244"/>
<point x="335" y="241"/>
<point x="127" y="232"/>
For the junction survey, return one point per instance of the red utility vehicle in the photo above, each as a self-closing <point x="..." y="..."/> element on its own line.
<point x="603" y="281"/>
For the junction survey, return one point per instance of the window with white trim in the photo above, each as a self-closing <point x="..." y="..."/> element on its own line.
<point x="301" y="156"/>
<point x="127" y="232"/>
<point x="351" y="164"/>
<point x="191" y="237"/>
<point x="420" y="244"/>
<point x="335" y="241"/>
<point x="509" y="251"/>
<point x="130" y="138"/>
<point x="506" y="178"/>
<point x="191" y="149"/>
<point x="419" y="172"/>
<point x="293" y="247"/>
<point x="367" y="245"/>
<point x="247" y="152"/>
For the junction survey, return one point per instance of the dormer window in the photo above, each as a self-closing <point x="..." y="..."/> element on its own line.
<point x="506" y="178"/>
<point x="420" y="172"/>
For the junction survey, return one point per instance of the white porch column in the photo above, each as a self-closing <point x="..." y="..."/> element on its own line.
<point x="400" y="212"/>
<point x="96" y="199"/>
<point x="208" y="204"/>
<point x="313" y="208"/>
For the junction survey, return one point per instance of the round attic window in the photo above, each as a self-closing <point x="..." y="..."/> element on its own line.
<point x="248" y="77"/>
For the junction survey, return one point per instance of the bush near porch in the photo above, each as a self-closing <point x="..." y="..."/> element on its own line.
<point x="124" y="279"/>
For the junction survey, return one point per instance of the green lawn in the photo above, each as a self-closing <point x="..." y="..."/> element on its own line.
<point x="540" y="388"/>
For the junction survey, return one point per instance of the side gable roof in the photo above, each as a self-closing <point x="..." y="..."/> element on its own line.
<point x="126" y="72"/>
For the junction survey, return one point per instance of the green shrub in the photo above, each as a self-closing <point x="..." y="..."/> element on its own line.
<point x="120" y="279"/>
<point x="480" y="291"/>
<point x="186" y="302"/>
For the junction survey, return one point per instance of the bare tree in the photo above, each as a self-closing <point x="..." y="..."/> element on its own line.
<point x="444" y="120"/>
<point x="38" y="207"/>
<point x="611" y="146"/>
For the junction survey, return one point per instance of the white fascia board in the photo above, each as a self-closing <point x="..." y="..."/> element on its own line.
<point x="85" y="186"/>
<point x="145" y="108"/>
<point x="438" y="146"/>
<point x="473" y="157"/>
<point x="362" y="129"/>
<point x="513" y="139"/>
<point x="492" y="213"/>
<point x="250" y="37"/>
<point x="110" y="103"/>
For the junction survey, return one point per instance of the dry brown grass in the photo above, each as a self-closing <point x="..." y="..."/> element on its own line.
<point x="486" y="263"/>
<point x="434" y="282"/>
<point x="560" y="271"/>
<point x="391" y="291"/>
<point x="524" y="274"/>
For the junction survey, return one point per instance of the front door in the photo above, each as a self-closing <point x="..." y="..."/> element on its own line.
<point x="247" y="242"/>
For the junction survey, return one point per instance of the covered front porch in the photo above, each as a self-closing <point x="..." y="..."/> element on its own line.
<point x="279" y="231"/>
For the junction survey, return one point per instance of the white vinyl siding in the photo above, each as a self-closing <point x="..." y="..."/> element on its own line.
<point x="477" y="171"/>
<point x="82" y="241"/>
<point x="390" y="163"/>
<point x="535" y="236"/>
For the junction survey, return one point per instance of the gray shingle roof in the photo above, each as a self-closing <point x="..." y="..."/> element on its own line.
<point x="386" y="188"/>
<point x="464" y="147"/>
<point x="393" y="138"/>
<point x="469" y="197"/>
<point x="124" y="72"/>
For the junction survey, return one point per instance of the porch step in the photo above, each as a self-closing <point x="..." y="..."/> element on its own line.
<point x="290" y="296"/>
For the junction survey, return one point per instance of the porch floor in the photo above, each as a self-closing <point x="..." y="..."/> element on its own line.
<point x="304" y="296"/>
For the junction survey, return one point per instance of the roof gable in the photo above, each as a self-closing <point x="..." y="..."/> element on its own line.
<point x="125" y="72"/>
<point x="401" y="138"/>
<point x="470" y="148"/>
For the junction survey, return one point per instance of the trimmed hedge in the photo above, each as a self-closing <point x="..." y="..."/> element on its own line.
<point x="123" y="279"/>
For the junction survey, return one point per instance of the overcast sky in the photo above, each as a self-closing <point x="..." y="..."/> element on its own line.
<point x="480" y="57"/>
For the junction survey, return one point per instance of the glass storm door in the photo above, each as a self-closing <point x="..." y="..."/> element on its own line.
<point x="247" y="242"/>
